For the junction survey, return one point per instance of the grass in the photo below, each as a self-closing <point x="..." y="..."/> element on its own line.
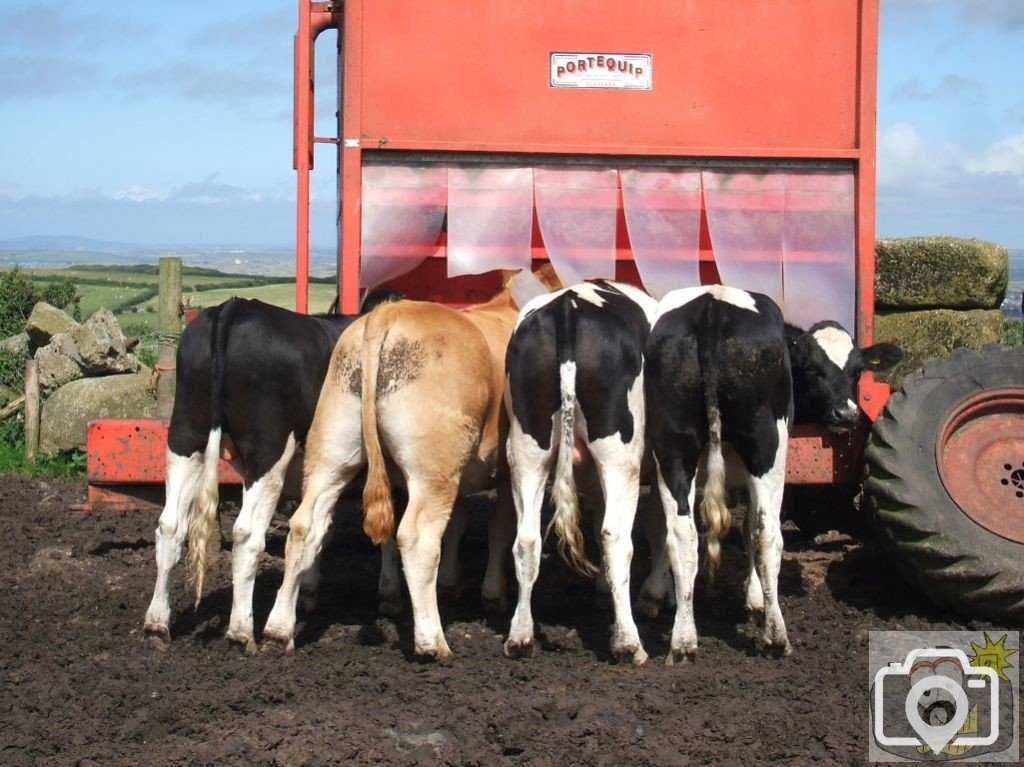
<point x="129" y="276"/>
<point x="282" y="294"/>
<point x="130" y="292"/>
<point x="1013" y="332"/>
<point x="13" y="461"/>
<point x="112" y="297"/>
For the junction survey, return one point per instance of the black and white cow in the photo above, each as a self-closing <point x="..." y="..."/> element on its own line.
<point x="575" y="381"/>
<point x="253" y="371"/>
<point x="724" y="371"/>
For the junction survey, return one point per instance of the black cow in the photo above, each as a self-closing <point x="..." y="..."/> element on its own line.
<point x="723" y="369"/>
<point x="575" y="385"/>
<point x="253" y="371"/>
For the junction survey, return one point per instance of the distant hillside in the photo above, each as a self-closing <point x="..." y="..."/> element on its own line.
<point x="57" y="242"/>
<point x="57" y="252"/>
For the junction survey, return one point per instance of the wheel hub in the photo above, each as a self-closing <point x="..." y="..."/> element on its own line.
<point x="980" y="457"/>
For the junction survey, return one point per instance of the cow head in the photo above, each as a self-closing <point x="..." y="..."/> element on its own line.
<point x="524" y="285"/>
<point x="826" y="366"/>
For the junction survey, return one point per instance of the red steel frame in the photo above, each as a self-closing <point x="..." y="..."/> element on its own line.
<point x="387" y="104"/>
<point x="763" y="80"/>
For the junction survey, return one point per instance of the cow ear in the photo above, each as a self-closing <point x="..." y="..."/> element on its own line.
<point x="881" y="356"/>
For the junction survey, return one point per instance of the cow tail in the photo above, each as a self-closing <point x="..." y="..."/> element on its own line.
<point x="566" y="519"/>
<point x="202" y="518"/>
<point x="714" y="511"/>
<point x="378" y="506"/>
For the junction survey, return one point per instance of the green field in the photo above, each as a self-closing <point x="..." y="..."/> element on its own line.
<point x="281" y="294"/>
<point x="131" y="291"/>
<point x="113" y="297"/>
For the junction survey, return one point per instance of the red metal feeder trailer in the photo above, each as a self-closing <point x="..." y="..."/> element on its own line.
<point x="675" y="143"/>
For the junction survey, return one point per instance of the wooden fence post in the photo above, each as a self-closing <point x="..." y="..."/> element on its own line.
<point x="170" y="329"/>
<point x="31" y="409"/>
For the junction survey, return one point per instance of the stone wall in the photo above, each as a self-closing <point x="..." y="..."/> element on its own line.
<point x="86" y="371"/>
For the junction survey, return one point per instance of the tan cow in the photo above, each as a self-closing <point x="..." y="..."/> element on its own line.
<point x="434" y="382"/>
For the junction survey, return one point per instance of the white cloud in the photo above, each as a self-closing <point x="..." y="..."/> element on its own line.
<point x="950" y="188"/>
<point x="905" y="159"/>
<point x="137" y="193"/>
<point x="1005" y="156"/>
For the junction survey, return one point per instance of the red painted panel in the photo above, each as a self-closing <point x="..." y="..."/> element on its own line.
<point x="742" y="78"/>
<point x="135" y="451"/>
<point x="818" y="456"/>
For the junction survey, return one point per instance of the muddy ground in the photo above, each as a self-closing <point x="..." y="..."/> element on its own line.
<point x="79" y="685"/>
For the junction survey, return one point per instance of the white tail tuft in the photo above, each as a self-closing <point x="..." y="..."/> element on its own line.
<point x="566" y="519"/>
<point x="714" y="511"/>
<point x="202" y="516"/>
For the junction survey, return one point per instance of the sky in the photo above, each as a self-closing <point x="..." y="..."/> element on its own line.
<point x="171" y="123"/>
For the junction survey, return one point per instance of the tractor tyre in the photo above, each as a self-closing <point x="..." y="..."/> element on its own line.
<point x="945" y="473"/>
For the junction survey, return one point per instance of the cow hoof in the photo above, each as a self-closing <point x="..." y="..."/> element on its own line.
<point x="781" y="650"/>
<point x="392" y="608"/>
<point x="159" y="637"/>
<point x="633" y="654"/>
<point x="495" y="605"/>
<point x="242" y="640"/>
<point x="439" y="654"/>
<point x="681" y="655"/>
<point x="519" y="648"/>
<point x="277" y="645"/>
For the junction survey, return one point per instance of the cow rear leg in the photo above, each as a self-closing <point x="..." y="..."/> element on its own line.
<point x="530" y="465"/>
<point x="621" y="486"/>
<point x="678" y="494"/>
<point x="449" y="573"/>
<point x="419" y="542"/>
<point x="183" y="476"/>
<point x="501" y="531"/>
<point x="656" y="590"/>
<point x="309" y="584"/>
<point x="602" y="589"/>
<point x="389" y="585"/>
<point x="307" y="530"/>
<point x="755" y="595"/>
<point x="249" y="538"/>
<point x="766" y="505"/>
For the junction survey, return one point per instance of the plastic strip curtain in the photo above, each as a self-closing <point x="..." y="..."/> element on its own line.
<point x="745" y="215"/>
<point x="818" y="245"/>
<point x="662" y="210"/>
<point x="490" y="218"/>
<point x="403" y="210"/>
<point x="577" y="209"/>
